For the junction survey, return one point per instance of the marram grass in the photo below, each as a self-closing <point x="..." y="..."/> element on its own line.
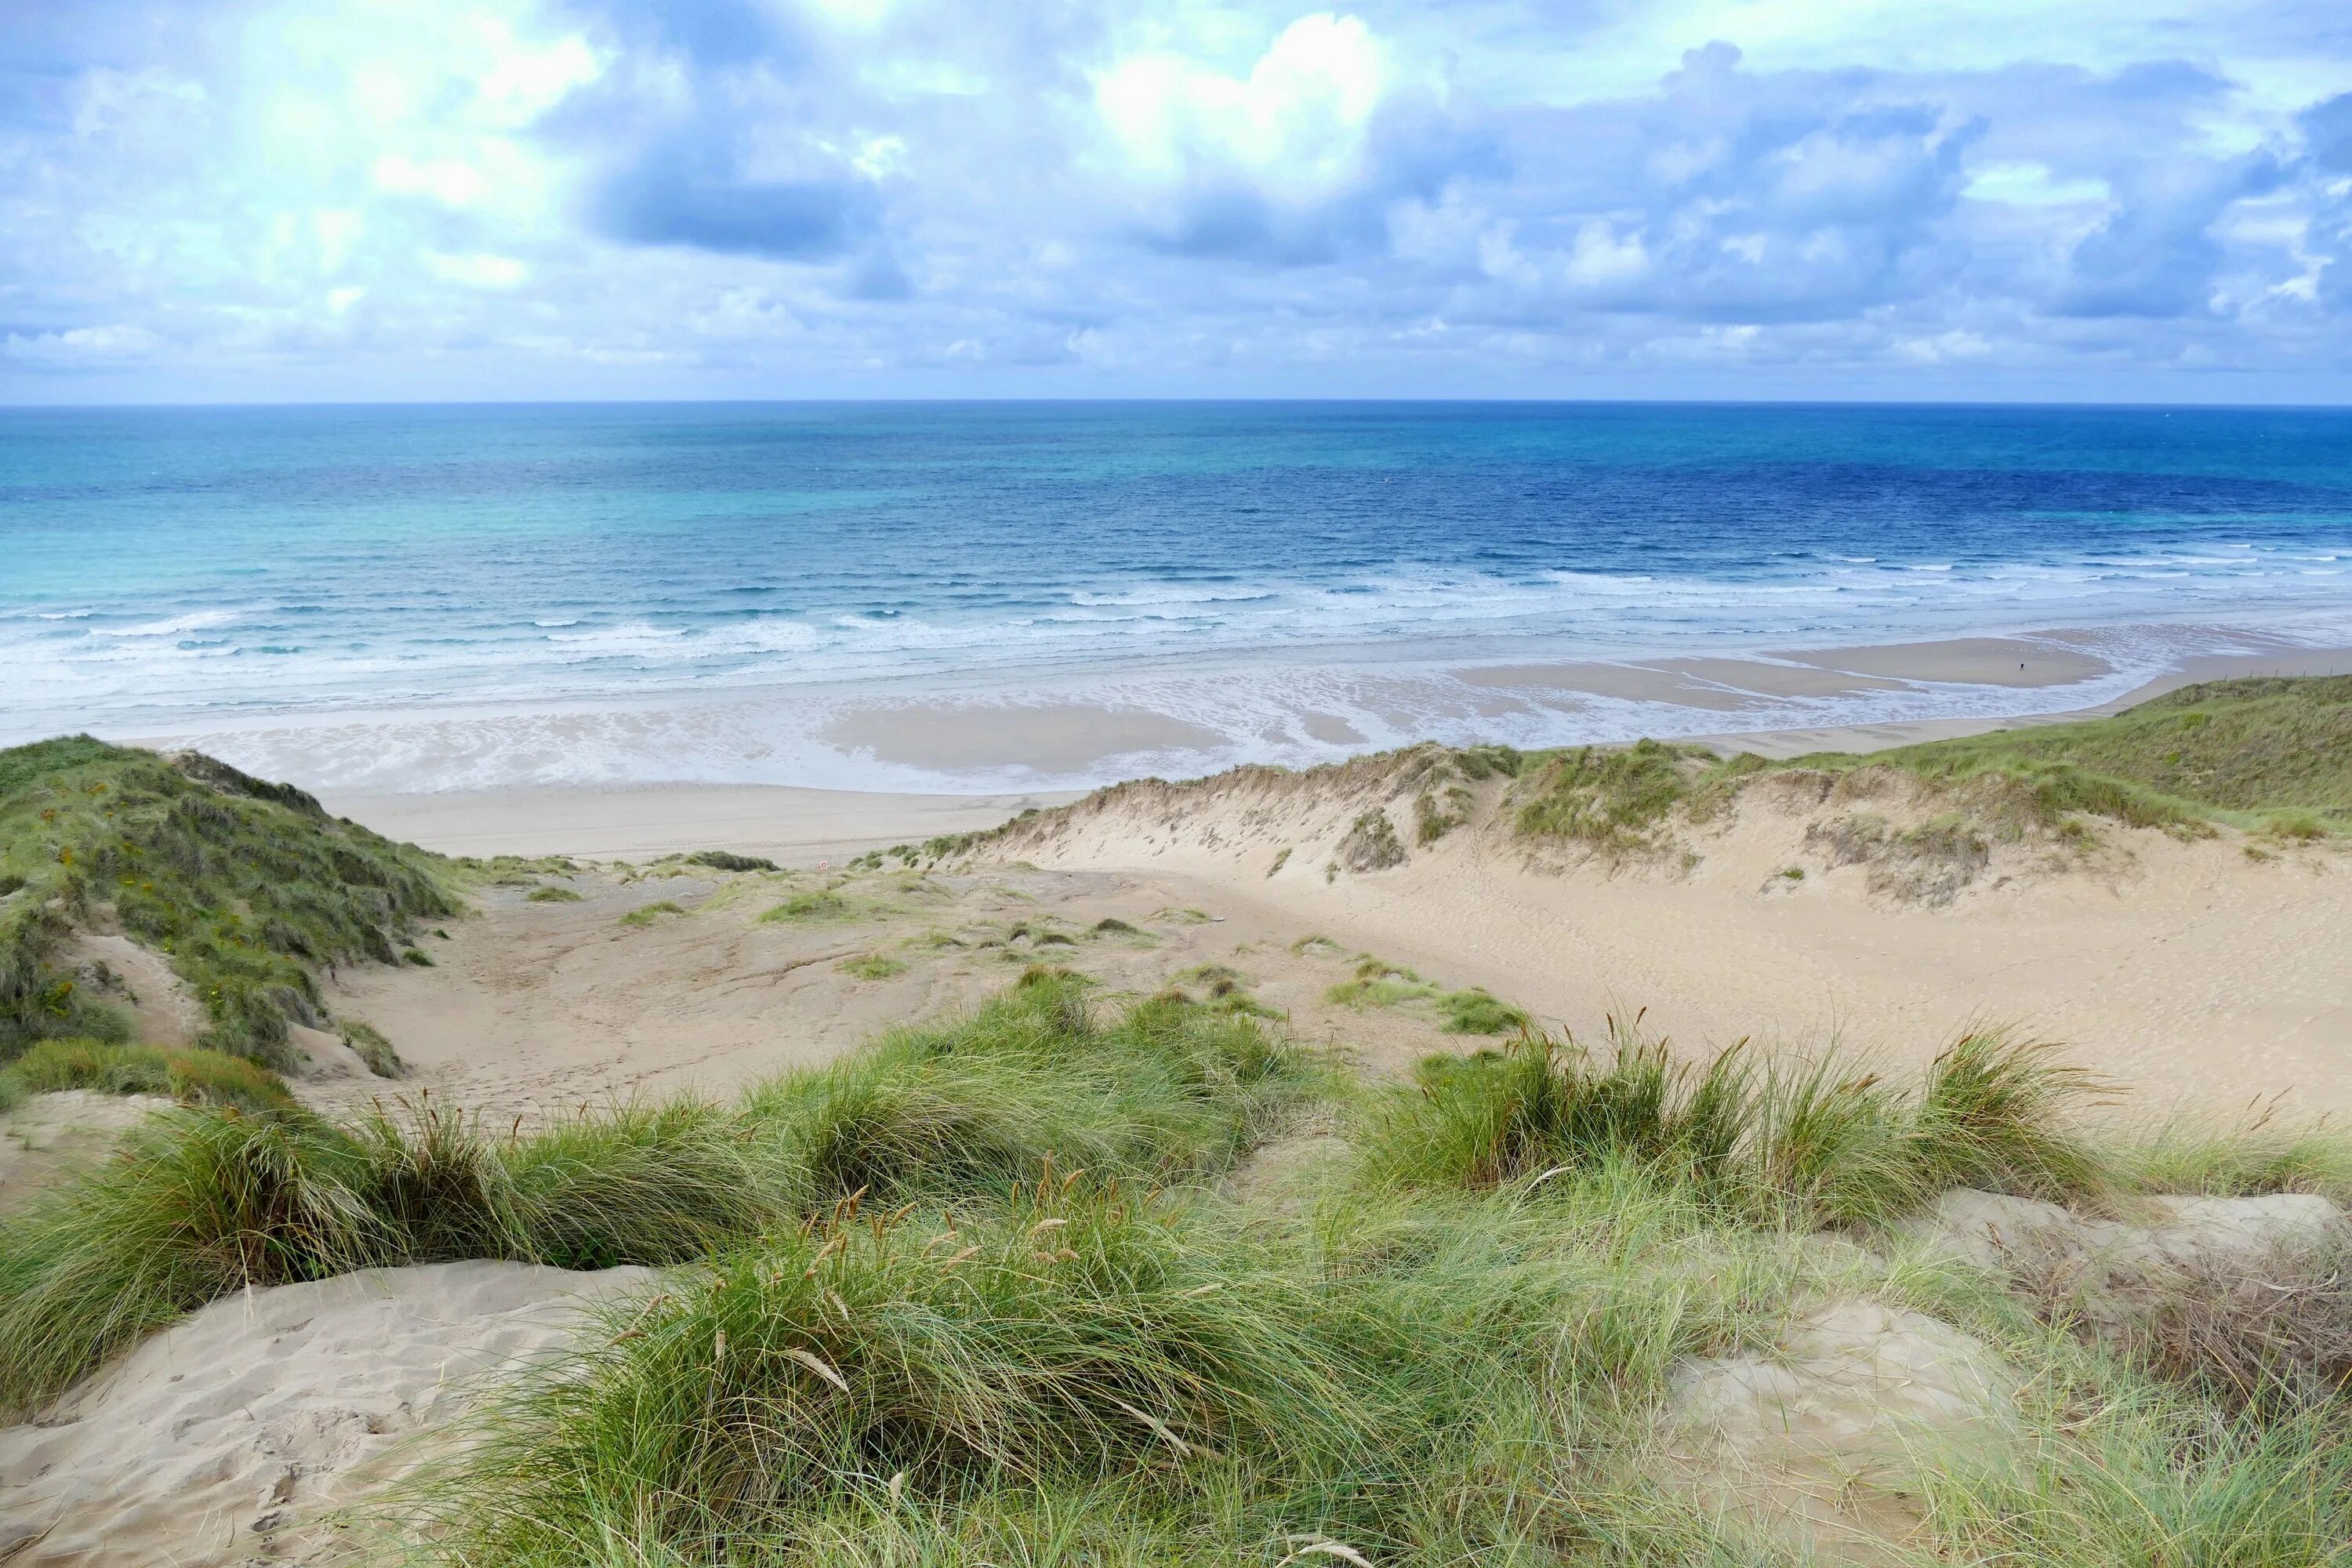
<point x="249" y="889"/>
<point x="974" y="1294"/>
<point x="206" y="1200"/>
<point x="1825" y="1142"/>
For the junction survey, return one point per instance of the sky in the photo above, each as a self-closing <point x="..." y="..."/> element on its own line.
<point x="377" y="200"/>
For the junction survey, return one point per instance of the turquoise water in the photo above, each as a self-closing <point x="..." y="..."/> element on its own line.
<point x="169" y="569"/>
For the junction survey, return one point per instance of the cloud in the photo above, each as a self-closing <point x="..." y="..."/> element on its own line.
<point x="732" y="197"/>
<point x="478" y="269"/>
<point x="660" y="202"/>
<point x="1295" y="126"/>
<point x="2156" y="255"/>
<point x="1293" y="161"/>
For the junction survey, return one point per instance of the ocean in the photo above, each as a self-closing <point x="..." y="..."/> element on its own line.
<point x="485" y="595"/>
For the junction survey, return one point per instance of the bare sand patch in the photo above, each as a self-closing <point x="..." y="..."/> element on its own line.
<point x="796" y="826"/>
<point x="1969" y="661"/>
<point x="218" y="1440"/>
<point x="49" y="1136"/>
<point x="1050" y="737"/>
<point x="1820" y="1440"/>
<point x="535" y="1007"/>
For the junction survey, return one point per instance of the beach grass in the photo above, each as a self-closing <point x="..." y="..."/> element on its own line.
<point x="190" y="1075"/>
<point x="995" y="1290"/>
<point x="2244" y="751"/>
<point x="1377" y="983"/>
<point x="974" y="1293"/>
<point x="249" y="889"/>
<point x="2270" y="756"/>
<point x="230" y="1193"/>
<point x="1077" y="1368"/>
<point x="1821" y="1141"/>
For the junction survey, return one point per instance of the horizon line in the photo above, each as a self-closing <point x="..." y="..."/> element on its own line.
<point x="2106" y="405"/>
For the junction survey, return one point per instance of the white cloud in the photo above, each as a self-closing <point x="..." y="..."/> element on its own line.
<point x="477" y="269"/>
<point x="2032" y="184"/>
<point x="448" y="181"/>
<point x="735" y="197"/>
<point x="1295" y="122"/>
<point x="116" y="341"/>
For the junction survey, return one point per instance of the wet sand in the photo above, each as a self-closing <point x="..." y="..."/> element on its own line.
<point x="801" y="827"/>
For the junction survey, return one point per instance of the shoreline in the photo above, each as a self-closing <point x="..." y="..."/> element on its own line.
<point x="803" y="826"/>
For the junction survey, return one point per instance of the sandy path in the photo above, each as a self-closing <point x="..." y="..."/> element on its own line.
<point x="533" y="1007"/>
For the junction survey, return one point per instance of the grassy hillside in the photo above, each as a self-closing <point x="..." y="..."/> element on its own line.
<point x="2271" y="755"/>
<point x="2241" y="749"/>
<point x="976" y="1293"/>
<point x="248" y="886"/>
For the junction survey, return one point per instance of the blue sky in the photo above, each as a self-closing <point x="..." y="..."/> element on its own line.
<point x="293" y="200"/>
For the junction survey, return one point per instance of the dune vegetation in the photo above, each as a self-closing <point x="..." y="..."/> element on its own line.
<point x="1066" y="1281"/>
<point x="249" y="889"/>
<point x="189" y="1074"/>
<point x="1073" y="1280"/>
<point x="2270" y="755"/>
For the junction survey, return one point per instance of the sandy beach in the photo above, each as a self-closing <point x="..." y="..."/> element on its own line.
<point x="635" y="821"/>
<point x="2132" y="958"/>
<point x="802" y="826"/>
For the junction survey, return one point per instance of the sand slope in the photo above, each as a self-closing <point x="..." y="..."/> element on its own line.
<point x="215" y="1441"/>
<point x="50" y="1136"/>
<point x="533" y="1007"/>
<point x="2187" y="972"/>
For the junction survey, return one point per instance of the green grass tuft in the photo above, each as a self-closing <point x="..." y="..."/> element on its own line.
<point x="200" y="1202"/>
<point x="368" y="1042"/>
<point x="647" y="914"/>
<point x="728" y="860"/>
<point x="1477" y="1012"/>
<point x="552" y="895"/>
<point x="1827" y="1145"/>
<point x="822" y="905"/>
<point x="207" y="1200"/>
<point x="872" y="966"/>
<point x="191" y="1075"/>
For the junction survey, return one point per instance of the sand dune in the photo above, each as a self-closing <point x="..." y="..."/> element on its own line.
<point x="2185" y="972"/>
<point x="220" y="1440"/>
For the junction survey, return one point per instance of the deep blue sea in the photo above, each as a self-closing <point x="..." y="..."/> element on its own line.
<point x="216" y="570"/>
